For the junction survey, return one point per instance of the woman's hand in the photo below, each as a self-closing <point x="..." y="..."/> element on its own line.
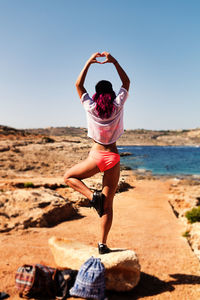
<point x="92" y="59"/>
<point x="109" y="58"/>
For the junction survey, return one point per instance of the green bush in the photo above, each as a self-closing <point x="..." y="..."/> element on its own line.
<point x="186" y="234"/>
<point x="28" y="184"/>
<point x="193" y="215"/>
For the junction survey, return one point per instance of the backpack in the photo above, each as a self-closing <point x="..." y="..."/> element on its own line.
<point x="39" y="281"/>
<point x="90" y="280"/>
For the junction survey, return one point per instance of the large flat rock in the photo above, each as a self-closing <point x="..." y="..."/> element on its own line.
<point x="122" y="265"/>
<point x="24" y="208"/>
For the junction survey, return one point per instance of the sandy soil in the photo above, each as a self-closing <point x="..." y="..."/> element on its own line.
<point x="143" y="221"/>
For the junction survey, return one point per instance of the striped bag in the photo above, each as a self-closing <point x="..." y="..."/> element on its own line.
<point x="35" y="281"/>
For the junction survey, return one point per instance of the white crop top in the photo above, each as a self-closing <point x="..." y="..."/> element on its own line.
<point x="105" y="131"/>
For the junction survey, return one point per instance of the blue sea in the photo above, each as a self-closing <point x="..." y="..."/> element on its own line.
<point x="163" y="160"/>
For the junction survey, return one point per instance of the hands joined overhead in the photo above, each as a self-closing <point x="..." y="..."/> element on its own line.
<point x="108" y="58"/>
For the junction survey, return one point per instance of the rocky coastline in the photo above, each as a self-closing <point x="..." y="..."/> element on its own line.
<point x="32" y="164"/>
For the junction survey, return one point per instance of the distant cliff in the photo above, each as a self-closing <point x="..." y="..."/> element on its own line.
<point x="190" y="137"/>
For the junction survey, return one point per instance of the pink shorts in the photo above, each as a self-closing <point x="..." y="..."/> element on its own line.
<point x="105" y="160"/>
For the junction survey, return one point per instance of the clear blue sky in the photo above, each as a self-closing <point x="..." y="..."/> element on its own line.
<point x="45" y="43"/>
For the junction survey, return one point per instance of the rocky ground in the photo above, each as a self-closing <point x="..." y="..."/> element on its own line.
<point x="184" y="195"/>
<point x="130" y="137"/>
<point x="35" y="204"/>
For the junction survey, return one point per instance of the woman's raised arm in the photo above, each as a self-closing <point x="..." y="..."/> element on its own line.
<point x="81" y="78"/>
<point x="122" y="74"/>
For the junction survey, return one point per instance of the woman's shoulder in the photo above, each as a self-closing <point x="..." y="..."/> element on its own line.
<point x="87" y="101"/>
<point x="121" y="97"/>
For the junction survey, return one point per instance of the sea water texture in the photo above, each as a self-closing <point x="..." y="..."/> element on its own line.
<point x="163" y="160"/>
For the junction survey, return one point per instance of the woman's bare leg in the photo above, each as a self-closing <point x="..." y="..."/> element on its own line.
<point x="85" y="169"/>
<point x="110" y="182"/>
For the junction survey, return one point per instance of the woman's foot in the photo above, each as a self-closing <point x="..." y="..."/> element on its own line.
<point x="98" y="202"/>
<point x="103" y="249"/>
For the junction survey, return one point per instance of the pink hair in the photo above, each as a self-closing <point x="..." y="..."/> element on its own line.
<point x="105" y="106"/>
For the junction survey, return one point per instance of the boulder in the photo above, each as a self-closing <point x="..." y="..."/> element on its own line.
<point x="122" y="265"/>
<point x="123" y="186"/>
<point x="41" y="207"/>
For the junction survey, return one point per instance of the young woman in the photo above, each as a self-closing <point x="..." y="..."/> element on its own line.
<point x="105" y="125"/>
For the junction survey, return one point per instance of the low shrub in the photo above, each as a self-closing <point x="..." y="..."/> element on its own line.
<point x="186" y="234"/>
<point x="193" y="215"/>
<point x="28" y="184"/>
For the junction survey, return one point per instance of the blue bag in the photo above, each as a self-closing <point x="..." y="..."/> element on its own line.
<point x="90" y="281"/>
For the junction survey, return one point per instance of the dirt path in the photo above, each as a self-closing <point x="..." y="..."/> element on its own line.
<point x="143" y="221"/>
<point x="169" y="268"/>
